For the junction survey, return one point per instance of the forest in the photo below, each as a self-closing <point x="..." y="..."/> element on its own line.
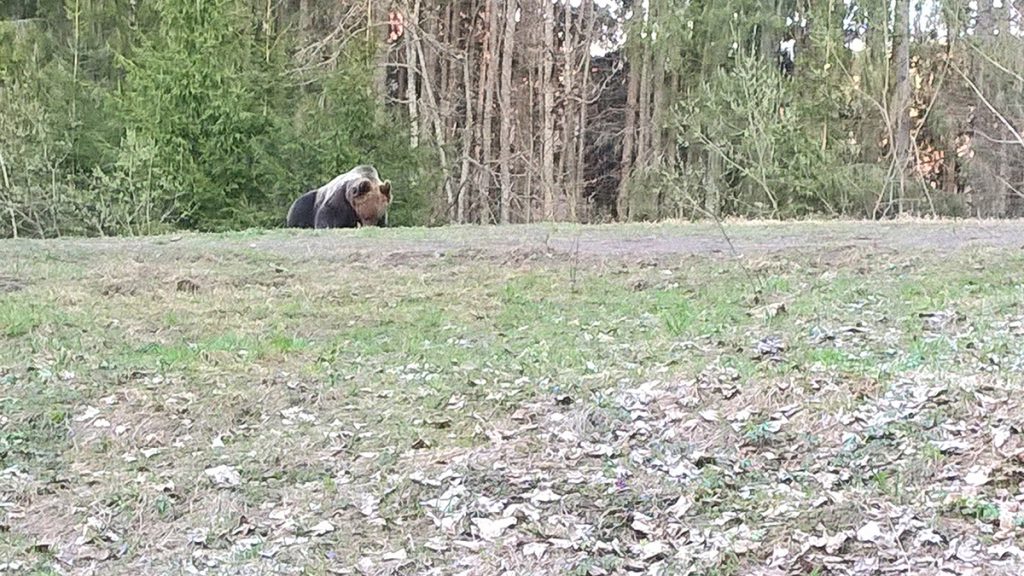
<point x="127" y="117"/>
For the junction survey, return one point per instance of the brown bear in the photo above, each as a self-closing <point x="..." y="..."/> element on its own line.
<point x="355" y="198"/>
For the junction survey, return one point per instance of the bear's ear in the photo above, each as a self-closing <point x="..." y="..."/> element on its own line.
<point x="359" y="188"/>
<point x="385" y="189"/>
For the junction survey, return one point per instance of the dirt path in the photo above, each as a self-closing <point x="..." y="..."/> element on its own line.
<point x="634" y="241"/>
<point x="653" y="241"/>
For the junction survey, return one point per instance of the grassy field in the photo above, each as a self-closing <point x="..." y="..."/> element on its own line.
<point x="812" y="399"/>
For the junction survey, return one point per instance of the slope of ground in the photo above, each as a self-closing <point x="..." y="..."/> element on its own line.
<point x="812" y="398"/>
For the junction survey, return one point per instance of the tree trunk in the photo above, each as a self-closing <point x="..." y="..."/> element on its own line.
<point x="659" y="140"/>
<point x="567" y="158"/>
<point x="507" y="112"/>
<point x="989" y="167"/>
<point x="531" y="139"/>
<point x="626" y="166"/>
<point x="467" y="139"/>
<point x="644" y="132"/>
<point x="380" y="58"/>
<point x="410" y="77"/>
<point x="712" y="183"/>
<point x="431" y="109"/>
<point x="587" y="16"/>
<point x="435" y="26"/>
<point x="487" y="115"/>
<point x="547" y="169"/>
<point x="305" y="21"/>
<point x="901" y="95"/>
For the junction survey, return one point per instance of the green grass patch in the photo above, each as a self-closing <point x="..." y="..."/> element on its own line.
<point x="325" y="379"/>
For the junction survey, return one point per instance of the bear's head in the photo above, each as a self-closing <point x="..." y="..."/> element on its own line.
<point x="369" y="200"/>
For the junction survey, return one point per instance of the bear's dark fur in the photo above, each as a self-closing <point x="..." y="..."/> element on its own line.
<point x="355" y="198"/>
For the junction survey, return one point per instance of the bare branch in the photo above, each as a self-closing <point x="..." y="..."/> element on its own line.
<point x="1002" y="119"/>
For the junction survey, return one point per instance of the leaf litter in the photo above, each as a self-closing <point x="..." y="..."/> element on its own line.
<point x="718" y="469"/>
<point x="695" y="496"/>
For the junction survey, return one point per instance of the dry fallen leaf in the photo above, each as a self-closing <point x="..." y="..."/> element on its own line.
<point x="927" y="536"/>
<point x="561" y="543"/>
<point x="741" y="416"/>
<point x="368" y="505"/>
<point x="1000" y="551"/>
<point x="535" y="549"/>
<point x="365" y="565"/>
<point x="437" y="544"/>
<point x="681" y="507"/>
<point x="642" y="523"/>
<point x="491" y="529"/>
<point x="322" y="528"/>
<point x="835" y="542"/>
<point x="1000" y="436"/>
<point x="653" y="550"/>
<point x="224" y="476"/>
<point x="399" y="554"/>
<point x="542" y="496"/>
<point x="90" y="413"/>
<point x="684" y="468"/>
<point x="709" y="415"/>
<point x="976" y="478"/>
<point x="489" y="506"/>
<point x="870" y="532"/>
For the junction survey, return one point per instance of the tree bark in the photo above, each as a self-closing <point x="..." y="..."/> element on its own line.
<point x="547" y="169"/>
<point x="626" y="165"/>
<point x="305" y="21"/>
<point x="531" y="139"/>
<point x="901" y="95"/>
<point x="380" y="58"/>
<point x="644" y="132"/>
<point x="467" y="139"/>
<point x="435" y="28"/>
<point x="587" y="15"/>
<point x="989" y="173"/>
<point x="567" y="157"/>
<point x="507" y="112"/>
<point x="410" y="77"/>
<point x="432" y="109"/>
<point x="487" y="115"/>
<point x="659" y="138"/>
<point x="712" y="182"/>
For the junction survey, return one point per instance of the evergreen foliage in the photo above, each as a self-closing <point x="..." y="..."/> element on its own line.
<point x="120" y="119"/>
<point x="136" y="117"/>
